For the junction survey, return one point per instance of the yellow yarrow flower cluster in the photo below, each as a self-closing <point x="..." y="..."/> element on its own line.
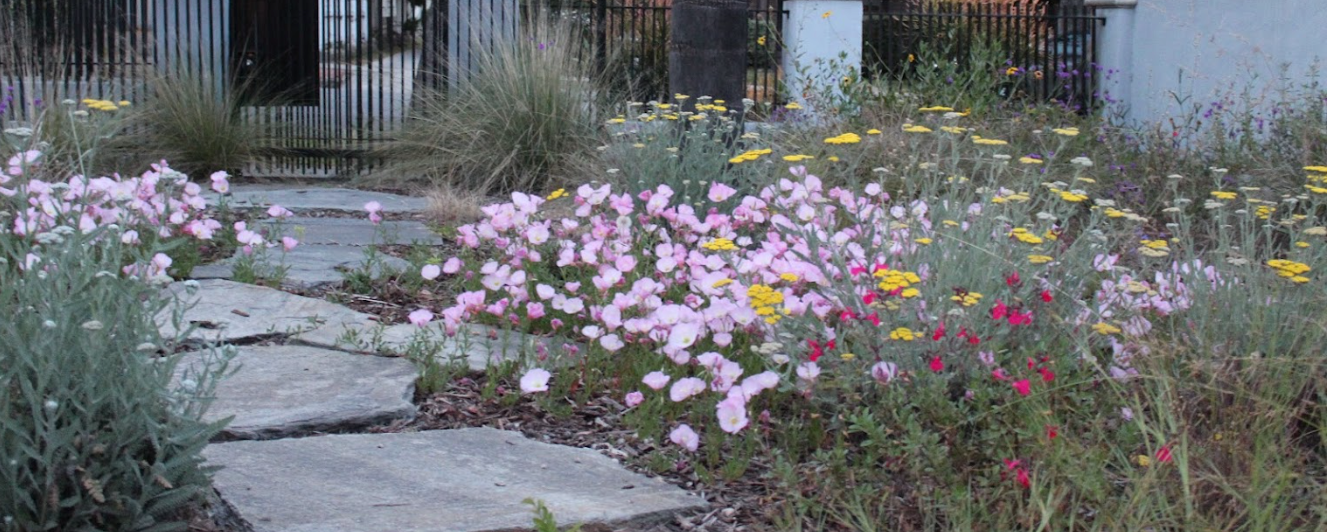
<point x="750" y="155"/>
<point x="1290" y="269"/>
<point x="1264" y="211"/>
<point x="1105" y="328"/>
<point x="967" y="299"/>
<point x="763" y="298"/>
<point x="720" y="244"/>
<point x="102" y="105"/>
<point x="1072" y="197"/>
<point x="954" y="129"/>
<point x="797" y="158"/>
<point x="1025" y="236"/>
<point x="1066" y="131"/>
<point x="891" y="280"/>
<point x="909" y="128"/>
<point x="1029" y="160"/>
<point x="1154" y="248"/>
<point x="711" y="107"/>
<point x="988" y="142"/>
<point x="1021" y="197"/>
<point x="722" y="283"/>
<point x="789" y="277"/>
<point x="792" y="106"/>
<point x="903" y="333"/>
<point x="846" y="138"/>
<point x="1224" y="194"/>
<point x="1040" y="259"/>
<point x="557" y="194"/>
<point x="936" y="109"/>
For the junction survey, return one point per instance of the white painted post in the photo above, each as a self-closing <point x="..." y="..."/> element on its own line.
<point x="822" y="44"/>
<point x="1115" y="54"/>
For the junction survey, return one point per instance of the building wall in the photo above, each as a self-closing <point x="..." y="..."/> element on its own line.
<point x="1173" y="56"/>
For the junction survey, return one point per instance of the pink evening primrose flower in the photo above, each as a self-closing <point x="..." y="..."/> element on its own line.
<point x="732" y="414"/>
<point x="375" y="211"/>
<point x="535" y="380"/>
<point x="220" y="182"/>
<point x="288" y="243"/>
<point x="656" y="380"/>
<point x="720" y="192"/>
<point x="279" y="212"/>
<point x="684" y="437"/>
<point x="685" y="388"/>
<point x="421" y="317"/>
<point x="634" y="398"/>
<point x="430" y="271"/>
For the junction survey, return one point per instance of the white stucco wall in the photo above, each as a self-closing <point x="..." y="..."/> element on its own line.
<point x="822" y="43"/>
<point x="1173" y="55"/>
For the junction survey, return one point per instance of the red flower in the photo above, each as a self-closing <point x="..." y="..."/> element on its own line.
<point x="1023" y="478"/>
<point x="874" y="318"/>
<point x="1012" y="279"/>
<point x="1017" y="318"/>
<point x="1052" y="431"/>
<point x="999" y="374"/>
<point x="1163" y="454"/>
<point x="939" y="332"/>
<point x="1031" y="363"/>
<point x="1046" y="296"/>
<point x="999" y="311"/>
<point x="847" y="315"/>
<point x="1046" y="374"/>
<point x="830" y="344"/>
<point x="816" y="350"/>
<point x="1023" y="387"/>
<point x="868" y="298"/>
<point x="937" y="365"/>
<point x="974" y="340"/>
<point x="857" y="270"/>
<point x="1011" y="464"/>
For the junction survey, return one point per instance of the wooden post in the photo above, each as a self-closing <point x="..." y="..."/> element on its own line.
<point x="707" y="56"/>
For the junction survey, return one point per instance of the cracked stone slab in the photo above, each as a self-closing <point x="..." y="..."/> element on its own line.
<point x="227" y="311"/>
<point x="477" y="345"/>
<point x="301" y="199"/>
<point x="463" y="480"/>
<point x="311" y="266"/>
<point x="281" y="391"/>
<point x="358" y="232"/>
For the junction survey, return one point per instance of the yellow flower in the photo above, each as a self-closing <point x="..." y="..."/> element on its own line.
<point x="1086" y="179"/>
<point x="912" y="58"/>
<point x="797" y="158"/>
<point x="125" y="103"/>
<point x="916" y="129"/>
<point x="953" y="129"/>
<point x="968" y="299"/>
<point x="761" y="40"/>
<point x="1301" y="244"/>
<point x="792" y="106"/>
<point x="1155" y="244"/>
<point x="720" y="244"/>
<point x="638" y="145"/>
<point x="773" y="319"/>
<point x="1071" y="197"/>
<point x="826" y="14"/>
<point x="557" y="194"/>
<point x="847" y="356"/>
<point x="846" y="138"/>
<point x="902" y="333"/>
<point x="909" y="293"/>
<point x="1067" y="131"/>
<point x="936" y="109"/>
<point x="833" y="158"/>
<point x="1105" y="328"/>
<point x="1039" y="259"/>
<point x="873" y="131"/>
<point x="664" y="105"/>
<point x="790" y="277"/>
<point x="989" y="142"/>
<point x="923" y="241"/>
<point x="722" y="283"/>
<point x="1144" y="460"/>
<point x="1316" y="169"/>
<point x="951" y="223"/>
<point x="1316" y="231"/>
<point x="1225" y="195"/>
<point x="680" y="97"/>
<point x="618" y="120"/>
<point x="1011" y="71"/>
<point x="1029" y="160"/>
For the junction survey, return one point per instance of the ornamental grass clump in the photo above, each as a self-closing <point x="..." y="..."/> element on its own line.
<point x="100" y="425"/>
<point x="525" y="113"/>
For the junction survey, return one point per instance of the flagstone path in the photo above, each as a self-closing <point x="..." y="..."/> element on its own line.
<point x="300" y="466"/>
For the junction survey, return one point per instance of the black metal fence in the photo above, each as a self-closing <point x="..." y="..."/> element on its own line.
<point x="628" y="40"/>
<point x="1048" y="46"/>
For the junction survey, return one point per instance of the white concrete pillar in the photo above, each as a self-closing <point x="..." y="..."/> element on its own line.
<point x="822" y="44"/>
<point x="1115" y="55"/>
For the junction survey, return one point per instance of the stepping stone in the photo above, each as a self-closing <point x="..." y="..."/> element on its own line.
<point x="226" y="311"/>
<point x="281" y="391"/>
<point x="460" y="480"/>
<point x="478" y="345"/>
<point x="358" y="232"/>
<point x="309" y="266"/>
<point x="303" y="199"/>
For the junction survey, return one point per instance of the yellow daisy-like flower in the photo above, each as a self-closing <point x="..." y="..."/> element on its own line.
<point x="719" y="244"/>
<point x="833" y="158"/>
<point x="951" y="223"/>
<point x="1071" y="197"/>
<point x="873" y="131"/>
<point x="792" y="106"/>
<point x="1011" y="71"/>
<point x="1225" y="195"/>
<point x="953" y="129"/>
<point x="618" y="120"/>
<point x="1316" y="169"/>
<point x="125" y="103"/>
<point x="846" y="138"/>
<point x="761" y="40"/>
<point x="789" y="277"/>
<point x="1029" y="160"/>
<point x="968" y="299"/>
<point x="916" y="129"/>
<point x="847" y="356"/>
<point x="1105" y="328"/>
<point x="1144" y="460"/>
<point x="797" y="158"/>
<point x="1039" y="259"/>
<point x="557" y="194"/>
<point x="902" y="333"/>
<point x="909" y="293"/>
<point x="1066" y="131"/>
<point x="1301" y="244"/>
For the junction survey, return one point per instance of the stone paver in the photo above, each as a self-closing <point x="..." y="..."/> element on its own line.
<point x="479" y="346"/>
<point x="301" y="199"/>
<point x="358" y="231"/>
<point x="227" y="311"/>
<point x="463" y="480"/>
<point x="281" y="391"/>
<point x="310" y="266"/>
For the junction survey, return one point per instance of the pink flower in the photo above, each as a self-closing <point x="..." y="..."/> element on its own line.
<point x="220" y="183"/>
<point x="288" y="243"/>
<point x="452" y="265"/>
<point x="430" y="271"/>
<point x="375" y="211"/>
<point x="656" y="380"/>
<point x="611" y="342"/>
<point x="937" y="365"/>
<point x="808" y="371"/>
<point x="421" y="317"/>
<point x="279" y="212"/>
<point x="1163" y="454"/>
<point x="732" y="414"/>
<point x="1023" y="387"/>
<point x="884" y="372"/>
<point x="534" y="310"/>
<point x="720" y="192"/>
<point x="684" y="437"/>
<point x="535" y="380"/>
<point x="634" y="398"/>
<point x="685" y="388"/>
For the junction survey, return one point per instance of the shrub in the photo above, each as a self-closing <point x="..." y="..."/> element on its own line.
<point x="526" y="111"/>
<point x="94" y="433"/>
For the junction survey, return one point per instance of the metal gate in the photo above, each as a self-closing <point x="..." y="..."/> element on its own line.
<point x="337" y="75"/>
<point x="1050" y="44"/>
